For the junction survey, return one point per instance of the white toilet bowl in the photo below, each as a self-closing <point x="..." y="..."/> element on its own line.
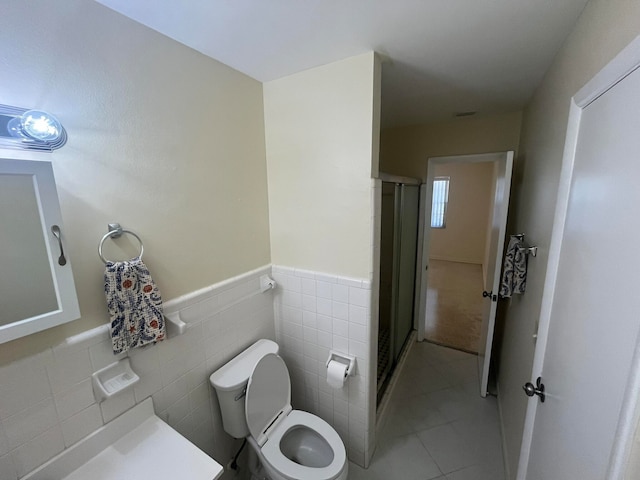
<point x="290" y="444"/>
<point x="301" y="447"/>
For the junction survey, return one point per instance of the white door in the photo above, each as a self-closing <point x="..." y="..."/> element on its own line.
<point x="590" y="313"/>
<point x="504" y="167"/>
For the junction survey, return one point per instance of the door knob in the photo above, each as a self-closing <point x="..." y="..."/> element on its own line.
<point x="538" y="389"/>
<point x="490" y="295"/>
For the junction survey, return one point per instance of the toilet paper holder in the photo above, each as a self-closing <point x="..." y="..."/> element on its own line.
<point x="344" y="359"/>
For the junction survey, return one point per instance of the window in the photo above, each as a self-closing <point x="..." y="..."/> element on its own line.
<point x="439" y="201"/>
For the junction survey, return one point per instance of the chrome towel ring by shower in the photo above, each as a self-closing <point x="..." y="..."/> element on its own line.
<point x="115" y="230"/>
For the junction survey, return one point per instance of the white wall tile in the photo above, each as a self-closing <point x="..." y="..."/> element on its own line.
<point x="323" y="289"/>
<point x="178" y="411"/>
<point x="292" y="329"/>
<point x="350" y="282"/>
<point x="224" y="319"/>
<point x="324" y="306"/>
<point x="149" y="384"/>
<point x="359" y="349"/>
<point x="101" y="355"/>
<point x="295" y="284"/>
<point x="309" y="303"/>
<point x="340" y="310"/>
<point x="81" y="424"/>
<point x="310" y="335"/>
<point x="200" y="310"/>
<point x="74" y="399"/>
<point x="185" y="426"/>
<point x="325" y="323"/>
<point x="358" y="332"/>
<point x="304" y="273"/>
<point x="38" y="450"/>
<point x="340" y="344"/>
<point x="325" y="339"/>
<point x="291" y="314"/>
<point x="199" y="396"/>
<point x="309" y="286"/>
<point x="360" y="297"/>
<point x="29" y="423"/>
<point x="4" y="443"/>
<point x="340" y="293"/>
<point x="340" y="327"/>
<point x="24" y="383"/>
<point x="359" y="315"/>
<point x="325" y="277"/>
<point x="197" y="375"/>
<point x="176" y="390"/>
<point x="292" y="299"/>
<point x="340" y="322"/>
<point x="310" y="319"/>
<point x="144" y="359"/>
<point x="7" y="470"/>
<point x="117" y="405"/>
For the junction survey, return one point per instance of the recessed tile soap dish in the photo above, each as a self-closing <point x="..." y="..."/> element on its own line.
<point x="113" y="379"/>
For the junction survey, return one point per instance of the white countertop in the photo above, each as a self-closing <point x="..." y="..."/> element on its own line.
<point x="135" y="446"/>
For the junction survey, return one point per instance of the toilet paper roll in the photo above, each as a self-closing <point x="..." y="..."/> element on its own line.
<point x="336" y="372"/>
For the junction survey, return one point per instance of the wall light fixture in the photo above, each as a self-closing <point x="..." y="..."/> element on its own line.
<point x="30" y="129"/>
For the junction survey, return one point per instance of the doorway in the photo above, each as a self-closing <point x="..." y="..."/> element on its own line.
<point x="486" y="219"/>
<point x="398" y="250"/>
<point x="460" y="229"/>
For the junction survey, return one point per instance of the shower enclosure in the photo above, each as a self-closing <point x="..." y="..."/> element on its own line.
<point x="398" y="249"/>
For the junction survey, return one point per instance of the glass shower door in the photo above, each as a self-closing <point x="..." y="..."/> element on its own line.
<point x="406" y="241"/>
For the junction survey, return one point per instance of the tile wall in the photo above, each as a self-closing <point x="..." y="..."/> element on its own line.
<point x="317" y="312"/>
<point x="47" y="403"/>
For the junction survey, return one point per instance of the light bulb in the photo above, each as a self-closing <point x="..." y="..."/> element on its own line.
<point x="40" y="125"/>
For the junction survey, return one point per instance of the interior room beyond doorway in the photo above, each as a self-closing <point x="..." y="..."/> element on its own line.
<point x="454" y="307"/>
<point x="458" y="256"/>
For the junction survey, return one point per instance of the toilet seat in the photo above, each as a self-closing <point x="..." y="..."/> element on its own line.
<point x="272" y="452"/>
<point x="270" y="417"/>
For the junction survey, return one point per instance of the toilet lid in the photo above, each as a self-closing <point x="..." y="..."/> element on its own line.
<point x="268" y="395"/>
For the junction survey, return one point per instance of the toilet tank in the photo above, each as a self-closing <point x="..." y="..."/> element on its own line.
<point x="230" y="382"/>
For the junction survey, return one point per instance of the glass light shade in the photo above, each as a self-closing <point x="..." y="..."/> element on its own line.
<point x="40" y="125"/>
<point x="30" y="129"/>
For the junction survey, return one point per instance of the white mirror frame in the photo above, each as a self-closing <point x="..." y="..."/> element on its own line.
<point x="47" y="195"/>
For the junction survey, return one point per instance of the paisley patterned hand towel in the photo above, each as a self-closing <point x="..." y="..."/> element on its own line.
<point x="135" y="305"/>
<point x="514" y="269"/>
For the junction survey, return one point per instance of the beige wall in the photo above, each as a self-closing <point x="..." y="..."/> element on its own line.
<point x="405" y="150"/>
<point x="468" y="213"/>
<point x="603" y="29"/>
<point x="161" y="139"/>
<point x="319" y="128"/>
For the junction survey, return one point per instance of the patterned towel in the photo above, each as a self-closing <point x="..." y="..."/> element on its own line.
<point x="514" y="269"/>
<point x="135" y="305"/>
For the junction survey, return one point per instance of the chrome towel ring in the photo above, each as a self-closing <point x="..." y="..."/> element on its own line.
<point x="115" y="230"/>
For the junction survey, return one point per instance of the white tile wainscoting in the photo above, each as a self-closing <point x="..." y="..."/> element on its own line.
<point x="47" y="403"/>
<point x="316" y="312"/>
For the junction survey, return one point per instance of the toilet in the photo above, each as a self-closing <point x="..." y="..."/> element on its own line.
<point x="254" y="392"/>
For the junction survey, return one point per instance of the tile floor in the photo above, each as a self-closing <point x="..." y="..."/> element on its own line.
<point x="437" y="426"/>
<point x="454" y="304"/>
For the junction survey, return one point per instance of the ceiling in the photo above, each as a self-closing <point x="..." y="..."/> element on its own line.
<point x="441" y="56"/>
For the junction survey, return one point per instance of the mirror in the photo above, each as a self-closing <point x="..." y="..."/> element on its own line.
<point x="36" y="286"/>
